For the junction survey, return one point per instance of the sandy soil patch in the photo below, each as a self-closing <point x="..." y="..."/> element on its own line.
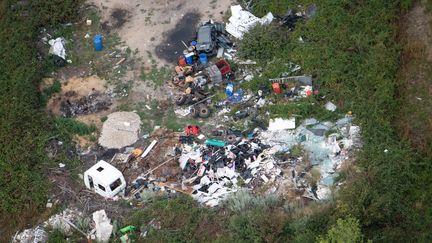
<point x="144" y="24"/>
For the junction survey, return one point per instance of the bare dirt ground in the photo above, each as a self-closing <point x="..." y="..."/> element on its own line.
<point x="145" y="24"/>
<point x="415" y="120"/>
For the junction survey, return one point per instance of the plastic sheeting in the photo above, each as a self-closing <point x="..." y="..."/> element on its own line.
<point x="57" y="47"/>
<point x="241" y="21"/>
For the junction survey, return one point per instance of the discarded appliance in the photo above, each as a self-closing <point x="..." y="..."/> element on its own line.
<point x="206" y="42"/>
<point x="104" y="179"/>
<point x="210" y="36"/>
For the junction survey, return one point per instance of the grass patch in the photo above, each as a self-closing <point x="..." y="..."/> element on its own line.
<point x="48" y="92"/>
<point x="72" y="127"/>
<point x="158" y="75"/>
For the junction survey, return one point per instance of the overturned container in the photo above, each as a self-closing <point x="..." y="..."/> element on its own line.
<point x="104" y="179"/>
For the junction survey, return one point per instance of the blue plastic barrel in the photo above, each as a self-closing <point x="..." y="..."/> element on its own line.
<point x="203" y="58"/>
<point x="189" y="58"/>
<point x="97" y="43"/>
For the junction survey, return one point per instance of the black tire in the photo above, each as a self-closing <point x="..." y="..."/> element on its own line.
<point x="204" y="111"/>
<point x="180" y="100"/>
<point x="231" y="138"/>
<point x="195" y="112"/>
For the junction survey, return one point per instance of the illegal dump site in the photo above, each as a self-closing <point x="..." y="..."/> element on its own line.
<point x="209" y="120"/>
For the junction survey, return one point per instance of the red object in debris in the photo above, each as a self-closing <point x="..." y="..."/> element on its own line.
<point x="308" y="92"/>
<point x="316" y="92"/>
<point x="223" y="67"/>
<point x="276" y="88"/>
<point x="192" y="130"/>
<point x="182" y="61"/>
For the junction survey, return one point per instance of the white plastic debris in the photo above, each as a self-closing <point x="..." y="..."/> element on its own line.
<point x="57" y="47"/>
<point x="201" y="136"/>
<point x="182" y="111"/>
<point x="330" y="106"/>
<point x="241" y="21"/>
<point x="103" y="226"/>
<point x="281" y="124"/>
<point x="149" y="148"/>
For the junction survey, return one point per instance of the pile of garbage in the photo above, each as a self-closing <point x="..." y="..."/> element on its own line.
<point x="74" y="106"/>
<point x="219" y="167"/>
<point x="248" y="159"/>
<point x="325" y="145"/>
<point x="61" y="221"/>
<point x="68" y="221"/>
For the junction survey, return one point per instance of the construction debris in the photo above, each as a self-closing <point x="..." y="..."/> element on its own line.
<point x="121" y="129"/>
<point x="39" y="233"/>
<point x="103" y="226"/>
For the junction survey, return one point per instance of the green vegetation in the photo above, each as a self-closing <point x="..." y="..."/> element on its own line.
<point x="159" y="75"/>
<point x="48" y="92"/>
<point x="160" y="117"/>
<point x="346" y="230"/>
<point x="69" y="127"/>
<point x="350" y="48"/>
<point x="24" y="127"/>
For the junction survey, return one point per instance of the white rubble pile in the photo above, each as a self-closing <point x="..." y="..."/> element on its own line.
<point x="57" y="221"/>
<point x="327" y="153"/>
<point x="103" y="226"/>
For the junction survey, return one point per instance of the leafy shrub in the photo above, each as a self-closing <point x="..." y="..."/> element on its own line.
<point x="242" y="200"/>
<point x="261" y="43"/>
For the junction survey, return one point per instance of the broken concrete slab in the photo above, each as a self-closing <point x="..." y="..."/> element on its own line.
<point x="120" y="130"/>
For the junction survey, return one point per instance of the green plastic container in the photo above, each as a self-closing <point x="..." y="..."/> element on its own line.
<point x="216" y="143"/>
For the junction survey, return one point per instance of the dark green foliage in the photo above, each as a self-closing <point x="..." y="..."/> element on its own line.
<point x="181" y="219"/>
<point x="306" y="108"/>
<point x="48" y="92"/>
<point x="54" y="12"/>
<point x="56" y="236"/>
<point x="69" y="126"/>
<point x="261" y="43"/>
<point x="24" y="127"/>
<point x="350" y="48"/>
<point x="260" y="224"/>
